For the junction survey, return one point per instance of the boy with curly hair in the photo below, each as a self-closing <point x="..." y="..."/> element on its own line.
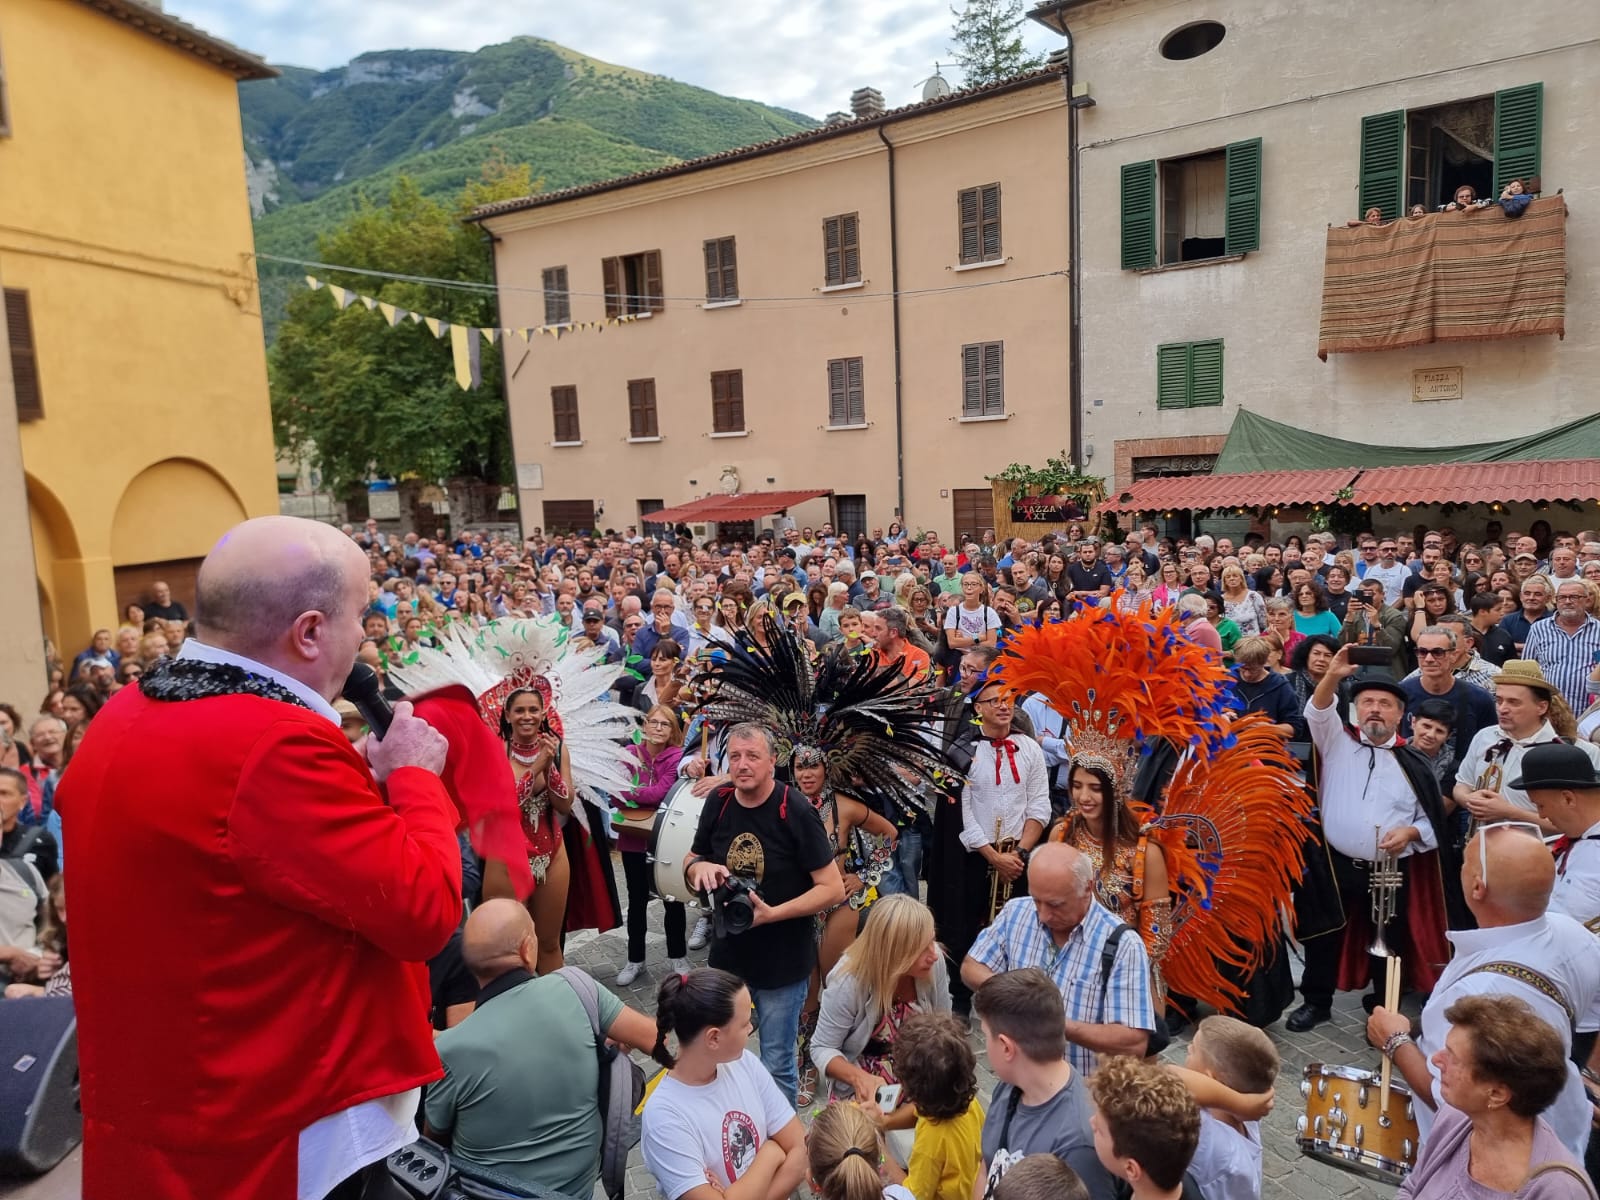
<point x="1146" y="1126"/>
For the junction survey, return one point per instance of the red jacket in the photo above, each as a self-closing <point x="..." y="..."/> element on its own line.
<point x="246" y="910"/>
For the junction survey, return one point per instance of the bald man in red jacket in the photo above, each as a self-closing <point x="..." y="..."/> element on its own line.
<point x="252" y="899"/>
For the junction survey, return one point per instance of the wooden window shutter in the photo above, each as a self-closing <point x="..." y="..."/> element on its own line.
<point x="1172" y="376"/>
<point x="642" y="408"/>
<point x="654" y="299"/>
<point x="1139" y="215"/>
<point x="24" y="358"/>
<point x="832" y="260"/>
<point x="730" y="269"/>
<point x="838" y="393"/>
<point x="611" y="276"/>
<point x="972" y="381"/>
<point x="564" y="410"/>
<point x="557" y="299"/>
<point x="727" y="401"/>
<point x="850" y="248"/>
<point x="1205" y="373"/>
<point x="855" y="393"/>
<point x="994" y="391"/>
<point x="1518" y="125"/>
<point x="736" y="399"/>
<point x="1242" y="222"/>
<point x="1383" y="164"/>
<point x="989" y="233"/>
<point x="969" y="207"/>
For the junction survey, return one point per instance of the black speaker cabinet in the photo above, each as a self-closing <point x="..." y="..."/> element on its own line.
<point x="40" y="1121"/>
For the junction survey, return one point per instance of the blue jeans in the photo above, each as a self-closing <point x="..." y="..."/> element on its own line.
<point x="907" y="868"/>
<point x="778" y="1027"/>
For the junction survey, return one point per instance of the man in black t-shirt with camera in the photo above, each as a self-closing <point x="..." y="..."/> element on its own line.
<point x="767" y="837"/>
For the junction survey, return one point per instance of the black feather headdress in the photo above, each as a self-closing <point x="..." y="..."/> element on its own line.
<point x="879" y="730"/>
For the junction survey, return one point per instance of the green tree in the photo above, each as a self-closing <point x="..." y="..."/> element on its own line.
<point x="362" y="400"/>
<point x="988" y="45"/>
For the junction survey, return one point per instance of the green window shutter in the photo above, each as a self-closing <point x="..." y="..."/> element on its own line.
<point x="1172" y="376"/>
<point x="1205" y="373"/>
<point x="1139" y="215"/>
<point x="1518" y="123"/>
<point x="1383" y="163"/>
<point x="1243" y="219"/>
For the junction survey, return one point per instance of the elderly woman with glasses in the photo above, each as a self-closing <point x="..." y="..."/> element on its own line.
<point x="659" y="752"/>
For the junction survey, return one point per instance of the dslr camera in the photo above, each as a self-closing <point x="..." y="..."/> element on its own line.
<point x="731" y="910"/>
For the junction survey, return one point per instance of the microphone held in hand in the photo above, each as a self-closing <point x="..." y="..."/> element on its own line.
<point x="361" y="688"/>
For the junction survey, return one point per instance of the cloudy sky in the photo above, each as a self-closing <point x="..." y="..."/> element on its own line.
<point x="801" y="54"/>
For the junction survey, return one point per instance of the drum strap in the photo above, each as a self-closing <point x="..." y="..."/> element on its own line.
<point x="1539" y="982"/>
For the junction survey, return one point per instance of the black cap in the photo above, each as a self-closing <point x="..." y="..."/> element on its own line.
<point x="590" y="614"/>
<point x="1369" y="678"/>
<point x="1556" y="765"/>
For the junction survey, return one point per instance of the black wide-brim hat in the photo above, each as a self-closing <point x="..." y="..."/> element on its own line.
<point x="1368" y="678"/>
<point x="1556" y="765"/>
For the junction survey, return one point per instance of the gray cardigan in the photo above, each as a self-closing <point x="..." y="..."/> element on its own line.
<point x="848" y="1015"/>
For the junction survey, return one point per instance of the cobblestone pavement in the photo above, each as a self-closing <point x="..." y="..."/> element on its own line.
<point x="1286" y="1173"/>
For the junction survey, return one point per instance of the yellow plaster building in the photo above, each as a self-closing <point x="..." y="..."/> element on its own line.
<point x="137" y="383"/>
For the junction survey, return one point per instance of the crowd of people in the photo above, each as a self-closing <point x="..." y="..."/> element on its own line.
<point x="882" y="932"/>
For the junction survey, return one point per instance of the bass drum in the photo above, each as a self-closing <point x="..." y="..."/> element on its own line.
<point x="672" y="839"/>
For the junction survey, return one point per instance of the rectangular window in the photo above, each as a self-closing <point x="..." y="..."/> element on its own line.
<point x="979" y="212"/>
<point x="983" y="390"/>
<point x="557" y="299"/>
<point x="24" y="359"/>
<point x="1189" y="374"/>
<point x="727" y="402"/>
<point x="1193" y="208"/>
<point x="642" y="409"/>
<point x="1423" y="155"/>
<point x="841" y="250"/>
<point x="847" y="399"/>
<point x="653" y="528"/>
<point x="632" y="283"/>
<point x="564" y="408"/>
<point x="722" y="271"/>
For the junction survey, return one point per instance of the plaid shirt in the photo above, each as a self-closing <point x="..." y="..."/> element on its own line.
<point x="1565" y="658"/>
<point x="1017" y="938"/>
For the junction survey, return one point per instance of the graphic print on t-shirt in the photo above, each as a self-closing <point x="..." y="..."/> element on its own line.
<point x="746" y="857"/>
<point x="1004" y="1160"/>
<point x="739" y="1143"/>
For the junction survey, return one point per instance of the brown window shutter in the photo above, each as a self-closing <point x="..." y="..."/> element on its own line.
<point x="654" y="300"/>
<point x="972" y="381"/>
<point x="969" y="207"/>
<point x="838" y="392"/>
<point x="24" y="358"/>
<point x="730" y="270"/>
<point x="564" y="410"/>
<point x="832" y="259"/>
<point x="736" y="399"/>
<point x="856" y="396"/>
<point x="850" y="249"/>
<point x="557" y="300"/>
<point x="642" y="408"/>
<point x="611" y="274"/>
<point x="989" y="232"/>
<point x="713" y="270"/>
<point x="994" y="394"/>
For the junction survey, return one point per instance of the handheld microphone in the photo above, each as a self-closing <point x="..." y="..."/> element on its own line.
<point x="361" y="689"/>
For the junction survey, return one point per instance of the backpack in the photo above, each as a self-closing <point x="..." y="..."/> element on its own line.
<point x="1160" y="1038"/>
<point x="22" y="894"/>
<point x="621" y="1089"/>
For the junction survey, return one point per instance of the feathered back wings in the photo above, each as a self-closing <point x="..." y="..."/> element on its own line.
<point x="878" y="727"/>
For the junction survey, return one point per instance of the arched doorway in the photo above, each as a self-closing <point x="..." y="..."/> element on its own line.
<point x="169" y="516"/>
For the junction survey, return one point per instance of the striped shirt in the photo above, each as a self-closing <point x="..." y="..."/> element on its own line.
<point x="1017" y="938"/>
<point x="1566" y="658"/>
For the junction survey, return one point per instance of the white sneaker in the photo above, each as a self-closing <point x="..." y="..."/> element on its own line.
<point x="629" y="973"/>
<point x="700" y="934"/>
<point x="679" y="966"/>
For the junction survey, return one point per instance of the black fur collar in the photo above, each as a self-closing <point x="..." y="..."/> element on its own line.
<point x="191" y="679"/>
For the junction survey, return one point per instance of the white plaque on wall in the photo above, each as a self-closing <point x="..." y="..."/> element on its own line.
<point x="1436" y="383"/>
<point x="383" y="506"/>
<point x="530" y="477"/>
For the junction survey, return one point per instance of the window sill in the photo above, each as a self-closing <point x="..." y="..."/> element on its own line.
<point x="730" y="433"/>
<point x="566" y="445"/>
<point x="1164" y="268"/>
<point x="979" y="266"/>
<point x="844" y="287"/>
<point x="634" y="316"/>
<point x="981" y="420"/>
<point x="846" y="428"/>
<point x="639" y="441"/>
<point x="710" y="304"/>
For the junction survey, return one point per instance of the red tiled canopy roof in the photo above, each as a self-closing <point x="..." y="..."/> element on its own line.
<point x="1253" y="490"/>
<point x="741" y="506"/>
<point x="1480" y="482"/>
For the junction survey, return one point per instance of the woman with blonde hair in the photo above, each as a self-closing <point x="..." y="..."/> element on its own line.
<point x="658" y="753"/>
<point x="1244" y="608"/>
<point x="843" y="1156"/>
<point x="893" y="969"/>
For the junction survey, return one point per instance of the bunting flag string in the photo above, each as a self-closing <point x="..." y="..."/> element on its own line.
<point x="466" y="341"/>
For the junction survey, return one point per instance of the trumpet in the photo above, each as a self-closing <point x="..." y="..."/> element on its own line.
<point x="1000" y="889"/>
<point x="1384" y="881"/>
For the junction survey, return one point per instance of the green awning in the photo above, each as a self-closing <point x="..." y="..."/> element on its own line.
<point x="1256" y="443"/>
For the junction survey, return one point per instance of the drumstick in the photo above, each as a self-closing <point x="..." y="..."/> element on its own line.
<point x="1391" y="1001"/>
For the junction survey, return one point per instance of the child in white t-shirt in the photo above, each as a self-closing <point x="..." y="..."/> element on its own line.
<point x="1230" y="1071"/>
<point x="716" y="1127"/>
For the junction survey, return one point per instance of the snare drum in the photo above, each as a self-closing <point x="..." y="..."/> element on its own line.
<point x="1343" y="1127"/>
<point x="672" y="839"/>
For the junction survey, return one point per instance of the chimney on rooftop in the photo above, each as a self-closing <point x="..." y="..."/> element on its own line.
<point x="837" y="118"/>
<point x="866" y="103"/>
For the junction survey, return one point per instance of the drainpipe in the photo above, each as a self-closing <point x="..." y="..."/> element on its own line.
<point x="894" y="286"/>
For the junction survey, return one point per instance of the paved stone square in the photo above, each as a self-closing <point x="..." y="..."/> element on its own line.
<point x="1286" y="1173"/>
